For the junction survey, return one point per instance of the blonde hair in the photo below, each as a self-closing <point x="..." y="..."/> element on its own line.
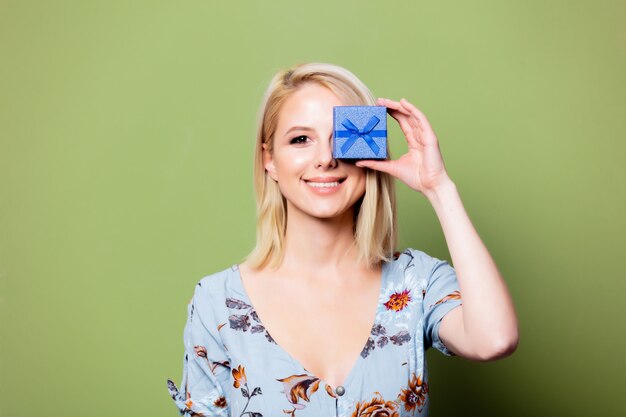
<point x="375" y="213"/>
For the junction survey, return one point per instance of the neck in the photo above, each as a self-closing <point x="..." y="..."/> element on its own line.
<point x="323" y="246"/>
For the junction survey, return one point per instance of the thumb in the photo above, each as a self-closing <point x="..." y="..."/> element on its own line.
<point x="384" y="166"/>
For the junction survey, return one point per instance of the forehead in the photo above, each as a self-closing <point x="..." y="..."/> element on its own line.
<point x="308" y="106"/>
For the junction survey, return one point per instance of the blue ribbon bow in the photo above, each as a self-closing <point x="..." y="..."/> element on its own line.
<point x="353" y="133"/>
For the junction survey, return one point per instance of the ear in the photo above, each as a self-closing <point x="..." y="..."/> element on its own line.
<point x="268" y="163"/>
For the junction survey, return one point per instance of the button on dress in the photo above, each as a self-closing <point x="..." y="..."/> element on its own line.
<point x="233" y="367"/>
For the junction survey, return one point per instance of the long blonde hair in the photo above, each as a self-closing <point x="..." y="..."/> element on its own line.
<point x="375" y="213"/>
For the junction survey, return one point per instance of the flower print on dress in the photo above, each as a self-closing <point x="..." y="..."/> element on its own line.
<point x="398" y="301"/>
<point x="211" y="401"/>
<point x="415" y="395"/>
<point x="198" y="407"/>
<point x="202" y="353"/>
<point x="380" y="339"/>
<point x="242" y="322"/>
<point x="455" y="295"/>
<point x="376" y="407"/>
<point x="241" y="381"/>
<point x="300" y="387"/>
<point x="399" y="297"/>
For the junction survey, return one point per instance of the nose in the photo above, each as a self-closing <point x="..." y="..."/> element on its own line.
<point x="324" y="155"/>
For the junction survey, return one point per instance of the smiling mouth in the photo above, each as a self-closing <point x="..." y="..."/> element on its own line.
<point x="330" y="184"/>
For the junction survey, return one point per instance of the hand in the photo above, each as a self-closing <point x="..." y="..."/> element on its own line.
<point x="421" y="168"/>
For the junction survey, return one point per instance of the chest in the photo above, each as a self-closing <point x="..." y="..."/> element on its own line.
<point x="324" y="328"/>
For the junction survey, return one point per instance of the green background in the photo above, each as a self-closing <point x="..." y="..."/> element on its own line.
<point x="126" y="141"/>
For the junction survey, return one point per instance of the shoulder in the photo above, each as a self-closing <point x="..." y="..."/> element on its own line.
<point x="415" y="259"/>
<point x="216" y="281"/>
<point x="208" y="297"/>
<point x="212" y="288"/>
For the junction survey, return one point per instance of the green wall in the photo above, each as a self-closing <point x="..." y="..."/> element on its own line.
<point x="126" y="137"/>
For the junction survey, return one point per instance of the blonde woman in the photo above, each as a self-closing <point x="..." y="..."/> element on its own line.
<point x="324" y="317"/>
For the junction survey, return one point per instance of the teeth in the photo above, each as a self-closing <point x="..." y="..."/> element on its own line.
<point x="323" y="184"/>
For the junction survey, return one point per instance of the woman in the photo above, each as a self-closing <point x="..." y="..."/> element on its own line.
<point x="323" y="318"/>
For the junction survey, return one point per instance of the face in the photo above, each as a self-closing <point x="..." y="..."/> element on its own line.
<point x="310" y="179"/>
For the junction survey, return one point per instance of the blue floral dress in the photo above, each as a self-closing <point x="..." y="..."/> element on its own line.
<point x="233" y="367"/>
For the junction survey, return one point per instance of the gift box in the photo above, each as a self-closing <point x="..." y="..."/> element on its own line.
<point x="360" y="132"/>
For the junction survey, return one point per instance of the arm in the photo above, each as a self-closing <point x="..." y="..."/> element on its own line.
<point x="485" y="326"/>
<point x="206" y="367"/>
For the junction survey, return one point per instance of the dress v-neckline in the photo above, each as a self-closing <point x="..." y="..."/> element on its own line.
<point x="359" y="360"/>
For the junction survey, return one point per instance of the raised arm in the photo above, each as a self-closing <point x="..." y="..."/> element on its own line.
<point x="485" y="326"/>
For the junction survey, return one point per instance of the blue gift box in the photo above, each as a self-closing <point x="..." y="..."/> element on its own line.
<point x="360" y="132"/>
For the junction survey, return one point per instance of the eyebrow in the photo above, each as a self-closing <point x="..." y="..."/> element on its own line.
<point x="305" y="128"/>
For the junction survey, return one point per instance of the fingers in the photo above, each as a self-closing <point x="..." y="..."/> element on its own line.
<point x="412" y="109"/>
<point x="388" y="166"/>
<point x="409" y="125"/>
<point x="421" y="118"/>
<point x="423" y="131"/>
<point x="407" y="129"/>
<point x="395" y="105"/>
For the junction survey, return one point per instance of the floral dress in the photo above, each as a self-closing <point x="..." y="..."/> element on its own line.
<point x="233" y="367"/>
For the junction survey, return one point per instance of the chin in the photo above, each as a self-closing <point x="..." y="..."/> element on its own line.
<point x="320" y="209"/>
<point x="327" y="214"/>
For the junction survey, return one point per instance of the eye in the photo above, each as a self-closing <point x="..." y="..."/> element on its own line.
<point x="299" y="139"/>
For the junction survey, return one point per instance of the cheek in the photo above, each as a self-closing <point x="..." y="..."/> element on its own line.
<point x="291" y="163"/>
<point x="358" y="186"/>
<point x="361" y="184"/>
<point x="360" y="175"/>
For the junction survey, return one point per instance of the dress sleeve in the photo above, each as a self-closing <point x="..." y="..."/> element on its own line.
<point x="442" y="295"/>
<point x="206" y="367"/>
